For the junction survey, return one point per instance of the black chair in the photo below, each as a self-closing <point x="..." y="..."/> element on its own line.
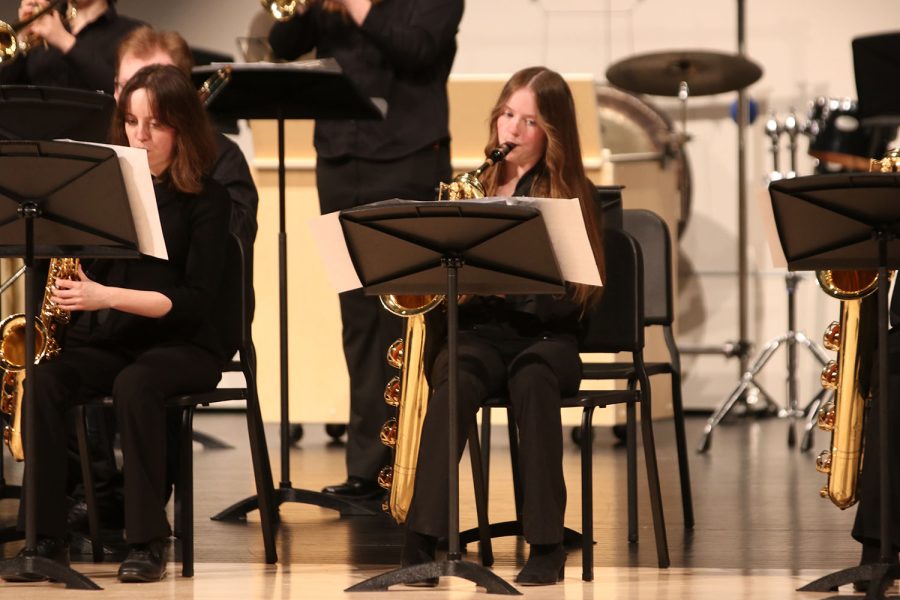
<point x="614" y="325"/>
<point x="652" y="234"/>
<point x="236" y="309"/>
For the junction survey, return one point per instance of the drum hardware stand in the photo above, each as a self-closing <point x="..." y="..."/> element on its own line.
<point x="748" y="387"/>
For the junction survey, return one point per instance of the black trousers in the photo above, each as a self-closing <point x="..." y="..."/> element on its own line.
<point x="139" y="386"/>
<point x="867" y="527"/>
<point x="368" y="329"/>
<point x="536" y="374"/>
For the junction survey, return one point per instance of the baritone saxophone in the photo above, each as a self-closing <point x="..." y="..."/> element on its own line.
<point x="854" y="338"/>
<point x="408" y="391"/>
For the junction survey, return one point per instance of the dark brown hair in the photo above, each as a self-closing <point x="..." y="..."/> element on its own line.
<point x="562" y="173"/>
<point x="145" y="41"/>
<point x="174" y="103"/>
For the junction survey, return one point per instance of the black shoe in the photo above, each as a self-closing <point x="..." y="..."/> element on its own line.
<point x="56" y="549"/>
<point x="419" y="549"/>
<point x="355" y="488"/>
<point x="144" y="563"/>
<point x="545" y="566"/>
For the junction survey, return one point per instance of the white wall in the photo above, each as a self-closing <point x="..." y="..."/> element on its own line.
<point x="804" y="50"/>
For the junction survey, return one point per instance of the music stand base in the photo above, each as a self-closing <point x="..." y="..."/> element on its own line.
<point x="48" y="569"/>
<point x="879" y="576"/>
<point x="238" y="511"/>
<point x="475" y="573"/>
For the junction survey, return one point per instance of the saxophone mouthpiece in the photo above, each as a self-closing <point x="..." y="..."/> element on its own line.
<point x="500" y="152"/>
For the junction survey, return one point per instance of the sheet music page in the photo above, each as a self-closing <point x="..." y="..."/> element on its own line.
<point x="568" y="235"/>
<point x="141" y="198"/>
<point x="329" y="237"/>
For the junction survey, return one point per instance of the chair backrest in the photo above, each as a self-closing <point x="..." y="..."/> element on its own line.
<point x="609" y="200"/>
<point x="652" y="234"/>
<point x="616" y="323"/>
<point x="235" y="293"/>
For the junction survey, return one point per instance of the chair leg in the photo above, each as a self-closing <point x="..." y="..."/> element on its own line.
<point x="262" y="468"/>
<point x="514" y="461"/>
<point x="684" y="473"/>
<point x="486" y="450"/>
<point x="631" y="469"/>
<point x="87" y="480"/>
<point x="186" y="482"/>
<point x="656" y="508"/>
<point x="587" y="496"/>
<point x="485" y="547"/>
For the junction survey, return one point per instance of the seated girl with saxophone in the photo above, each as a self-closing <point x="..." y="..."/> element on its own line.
<point x="524" y="345"/>
<point x="142" y="329"/>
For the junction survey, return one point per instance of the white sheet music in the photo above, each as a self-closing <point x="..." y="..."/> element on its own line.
<point x="141" y="198"/>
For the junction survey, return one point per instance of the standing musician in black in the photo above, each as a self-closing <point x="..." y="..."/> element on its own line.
<point x="523" y="345"/>
<point x="402" y="51"/>
<point x="143" y="330"/>
<point x="74" y="49"/>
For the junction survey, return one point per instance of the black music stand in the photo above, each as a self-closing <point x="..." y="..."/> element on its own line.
<point x="57" y="199"/>
<point x="409" y="247"/>
<point x="314" y="89"/>
<point x="849" y="221"/>
<point x="46" y="113"/>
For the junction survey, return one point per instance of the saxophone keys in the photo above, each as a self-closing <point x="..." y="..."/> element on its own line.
<point x="827" y="415"/>
<point x="832" y="337"/>
<point x="829" y="377"/>
<point x="386" y="477"/>
<point x="392" y="392"/>
<point x="823" y="462"/>
<point x="395" y="354"/>
<point x="388" y="433"/>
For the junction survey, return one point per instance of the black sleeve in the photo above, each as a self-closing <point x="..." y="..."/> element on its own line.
<point x="416" y="44"/>
<point x="295" y="37"/>
<point x="231" y="170"/>
<point x="205" y="262"/>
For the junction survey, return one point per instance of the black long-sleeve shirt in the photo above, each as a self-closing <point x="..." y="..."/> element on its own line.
<point x="402" y="52"/>
<point x="195" y="228"/>
<point x="89" y="65"/>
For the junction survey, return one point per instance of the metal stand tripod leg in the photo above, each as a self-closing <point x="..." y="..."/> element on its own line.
<point x="791" y="338"/>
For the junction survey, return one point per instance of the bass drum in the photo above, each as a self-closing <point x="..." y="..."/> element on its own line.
<point x="647" y="154"/>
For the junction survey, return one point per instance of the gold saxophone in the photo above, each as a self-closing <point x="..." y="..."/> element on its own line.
<point x="408" y="392"/>
<point x="12" y="351"/>
<point x="854" y="338"/>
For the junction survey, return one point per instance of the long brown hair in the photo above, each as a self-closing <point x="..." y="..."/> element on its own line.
<point x="175" y="103"/>
<point x="560" y="173"/>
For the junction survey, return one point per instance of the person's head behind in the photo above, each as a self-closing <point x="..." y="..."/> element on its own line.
<point x="146" y="46"/>
<point x="559" y="167"/>
<point x="159" y="110"/>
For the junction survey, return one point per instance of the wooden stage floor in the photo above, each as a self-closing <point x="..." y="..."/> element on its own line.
<point x="761" y="529"/>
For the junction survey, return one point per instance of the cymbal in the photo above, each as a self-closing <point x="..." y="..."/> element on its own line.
<point x="661" y="73"/>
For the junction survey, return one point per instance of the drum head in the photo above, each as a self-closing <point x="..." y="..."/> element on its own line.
<point x="631" y="125"/>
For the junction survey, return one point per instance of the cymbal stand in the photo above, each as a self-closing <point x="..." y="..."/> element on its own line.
<point x="748" y="385"/>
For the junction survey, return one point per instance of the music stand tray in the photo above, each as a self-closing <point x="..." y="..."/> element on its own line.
<point x="849" y="221"/>
<point x="313" y="89"/>
<point x="57" y="199"/>
<point x="409" y="247"/>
